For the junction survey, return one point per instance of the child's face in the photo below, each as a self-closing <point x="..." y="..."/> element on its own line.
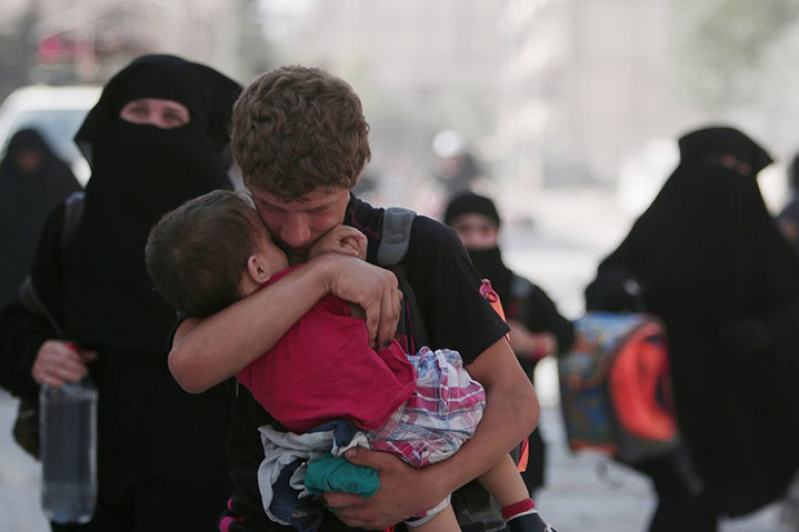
<point x="266" y="260"/>
<point x="273" y="257"/>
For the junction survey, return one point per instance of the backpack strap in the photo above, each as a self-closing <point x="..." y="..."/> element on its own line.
<point x="33" y="303"/>
<point x="520" y="291"/>
<point x="394" y="243"/>
<point x="397" y="223"/>
<point x="73" y="211"/>
<point x="520" y="287"/>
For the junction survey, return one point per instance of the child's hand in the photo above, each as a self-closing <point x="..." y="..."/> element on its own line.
<point x="341" y="239"/>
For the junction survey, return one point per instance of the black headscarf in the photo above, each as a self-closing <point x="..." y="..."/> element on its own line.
<point x="26" y="197"/>
<point x="717" y="140"/>
<point x="139" y="172"/>
<point x="713" y="265"/>
<point x="521" y="300"/>
<point x="471" y="203"/>
<point x="487" y="262"/>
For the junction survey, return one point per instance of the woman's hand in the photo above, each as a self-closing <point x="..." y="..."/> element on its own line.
<point x="59" y="362"/>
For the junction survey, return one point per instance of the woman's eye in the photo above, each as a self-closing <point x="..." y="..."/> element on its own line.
<point x="174" y="118"/>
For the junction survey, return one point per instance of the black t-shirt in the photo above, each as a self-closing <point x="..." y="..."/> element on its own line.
<point x="456" y="316"/>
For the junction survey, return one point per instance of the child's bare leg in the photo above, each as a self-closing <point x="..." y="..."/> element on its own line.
<point x="504" y="483"/>
<point x="443" y="521"/>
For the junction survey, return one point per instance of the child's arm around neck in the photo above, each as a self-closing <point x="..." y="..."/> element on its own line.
<point x="344" y="240"/>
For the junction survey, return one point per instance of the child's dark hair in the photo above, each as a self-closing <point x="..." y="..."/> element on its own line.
<point x="196" y="253"/>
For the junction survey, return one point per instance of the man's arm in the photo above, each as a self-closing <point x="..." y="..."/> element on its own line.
<point x="511" y="414"/>
<point x="206" y="352"/>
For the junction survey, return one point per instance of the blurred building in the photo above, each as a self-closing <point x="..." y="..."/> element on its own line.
<point x="586" y="84"/>
<point x="88" y="40"/>
<point x="546" y="92"/>
<point x="420" y="67"/>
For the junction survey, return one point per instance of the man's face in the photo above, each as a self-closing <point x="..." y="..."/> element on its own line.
<point x="297" y="225"/>
<point x="476" y="231"/>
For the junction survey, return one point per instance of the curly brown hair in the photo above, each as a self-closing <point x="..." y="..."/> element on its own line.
<point x="297" y="129"/>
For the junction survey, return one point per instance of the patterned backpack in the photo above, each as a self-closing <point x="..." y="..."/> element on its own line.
<point x="615" y="387"/>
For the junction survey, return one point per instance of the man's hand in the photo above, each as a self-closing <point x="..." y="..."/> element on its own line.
<point x="341" y="239"/>
<point x="58" y="362"/>
<point x="398" y="498"/>
<point x="371" y="287"/>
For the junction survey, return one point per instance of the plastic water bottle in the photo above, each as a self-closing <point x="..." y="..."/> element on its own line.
<point x="69" y="452"/>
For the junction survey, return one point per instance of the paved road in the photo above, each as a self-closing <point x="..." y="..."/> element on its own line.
<point x="19" y="479"/>
<point x="587" y="493"/>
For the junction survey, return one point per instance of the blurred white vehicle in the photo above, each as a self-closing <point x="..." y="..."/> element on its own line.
<point x="57" y="112"/>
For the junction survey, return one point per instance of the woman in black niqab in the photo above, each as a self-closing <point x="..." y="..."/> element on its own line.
<point x="161" y="461"/>
<point x="139" y="172"/>
<point x="537" y="327"/>
<point x="712" y="264"/>
<point x="33" y="180"/>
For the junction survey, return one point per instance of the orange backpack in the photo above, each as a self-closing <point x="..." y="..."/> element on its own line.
<point x="615" y="387"/>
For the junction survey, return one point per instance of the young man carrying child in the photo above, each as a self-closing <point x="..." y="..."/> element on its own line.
<point x="213" y="251"/>
<point x="301" y="142"/>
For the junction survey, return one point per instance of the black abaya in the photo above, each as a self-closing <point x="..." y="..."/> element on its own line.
<point x="714" y="267"/>
<point x="162" y="464"/>
<point x="26" y="198"/>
